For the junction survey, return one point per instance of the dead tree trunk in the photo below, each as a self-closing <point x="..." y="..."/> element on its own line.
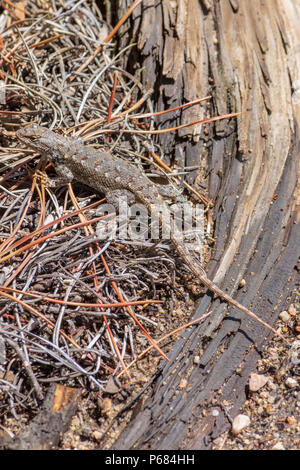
<point x="246" y="55"/>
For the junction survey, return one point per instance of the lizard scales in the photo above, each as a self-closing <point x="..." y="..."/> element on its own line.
<point x="107" y="173"/>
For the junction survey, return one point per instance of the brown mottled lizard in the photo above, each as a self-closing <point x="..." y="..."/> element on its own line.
<point x="111" y="175"/>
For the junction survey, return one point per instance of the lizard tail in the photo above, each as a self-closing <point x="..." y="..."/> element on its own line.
<point x="194" y="265"/>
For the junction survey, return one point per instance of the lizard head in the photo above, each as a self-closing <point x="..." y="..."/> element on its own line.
<point x="42" y="139"/>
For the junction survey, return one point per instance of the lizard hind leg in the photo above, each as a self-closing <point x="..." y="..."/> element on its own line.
<point x="117" y="197"/>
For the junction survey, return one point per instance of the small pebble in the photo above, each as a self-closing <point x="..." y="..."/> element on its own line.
<point x="215" y="412"/>
<point x="97" y="435"/>
<point x="284" y="316"/>
<point x="197" y="360"/>
<point x="38" y="287"/>
<point x="257" y="381"/>
<point x="106" y="404"/>
<point x="278" y="446"/>
<point x="295" y="352"/>
<point x="239" y="423"/>
<point x="292" y="310"/>
<point x="219" y="441"/>
<point x="291" y="420"/>
<point x="183" y="383"/>
<point x="291" y="383"/>
<point x="272" y="386"/>
<point x="113" y="385"/>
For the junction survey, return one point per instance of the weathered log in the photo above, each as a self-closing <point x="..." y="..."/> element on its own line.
<point x="47" y="428"/>
<point x="243" y="53"/>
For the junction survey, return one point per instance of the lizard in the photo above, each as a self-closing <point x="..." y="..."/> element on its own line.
<point x="113" y="176"/>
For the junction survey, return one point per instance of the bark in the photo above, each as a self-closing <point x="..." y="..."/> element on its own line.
<point x="246" y="55"/>
<point x="54" y="418"/>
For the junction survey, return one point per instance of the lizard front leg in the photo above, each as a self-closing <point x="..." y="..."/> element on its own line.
<point x="118" y="202"/>
<point x="64" y="176"/>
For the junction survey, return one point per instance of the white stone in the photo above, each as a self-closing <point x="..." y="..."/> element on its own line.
<point x="291" y="383"/>
<point x="257" y="381"/>
<point x="197" y="360"/>
<point x="278" y="446"/>
<point x="284" y="316"/>
<point x="239" y="423"/>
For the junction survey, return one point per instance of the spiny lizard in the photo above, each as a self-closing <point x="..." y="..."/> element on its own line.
<point x="113" y="176"/>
